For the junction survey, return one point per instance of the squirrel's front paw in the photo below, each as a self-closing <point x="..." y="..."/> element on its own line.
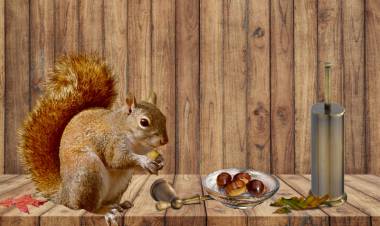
<point x="153" y="166"/>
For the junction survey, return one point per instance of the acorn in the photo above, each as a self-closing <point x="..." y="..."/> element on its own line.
<point x="223" y="179"/>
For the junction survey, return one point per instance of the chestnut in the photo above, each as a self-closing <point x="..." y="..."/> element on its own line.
<point x="245" y="177"/>
<point x="255" y="187"/>
<point x="223" y="179"/>
<point x="236" y="187"/>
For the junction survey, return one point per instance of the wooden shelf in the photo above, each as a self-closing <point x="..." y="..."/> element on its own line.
<point x="362" y="207"/>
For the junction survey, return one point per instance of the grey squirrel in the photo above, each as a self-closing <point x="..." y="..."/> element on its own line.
<point x="79" y="151"/>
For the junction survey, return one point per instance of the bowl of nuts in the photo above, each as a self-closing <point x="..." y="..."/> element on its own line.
<point x="240" y="188"/>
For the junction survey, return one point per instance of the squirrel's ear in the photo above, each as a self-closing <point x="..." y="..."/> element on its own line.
<point x="131" y="102"/>
<point x="152" y="98"/>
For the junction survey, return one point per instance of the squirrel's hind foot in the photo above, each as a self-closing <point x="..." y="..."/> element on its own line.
<point x="115" y="211"/>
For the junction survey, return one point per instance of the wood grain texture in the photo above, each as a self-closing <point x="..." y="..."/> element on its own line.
<point x="330" y="47"/>
<point x="96" y="219"/>
<point x="219" y="214"/>
<point x="13" y="183"/>
<point x="187" y="86"/>
<point x="61" y="215"/>
<point x="305" y="72"/>
<point x="282" y="87"/>
<point x="362" y="199"/>
<point x="163" y="72"/>
<point x="369" y="187"/>
<point x="139" y="48"/>
<point x="17" y="93"/>
<point x="66" y="27"/>
<point x="211" y="85"/>
<point x="115" y="43"/>
<point x="187" y="186"/>
<point x="338" y="215"/>
<point x="354" y="86"/>
<point x="2" y="84"/>
<point x="12" y="216"/>
<point x="235" y="78"/>
<point x="41" y="44"/>
<point x="263" y="214"/>
<point x="372" y="48"/>
<point x="234" y="81"/>
<point x="258" y="85"/>
<point x="144" y="211"/>
<point x="91" y="26"/>
<point x="362" y="208"/>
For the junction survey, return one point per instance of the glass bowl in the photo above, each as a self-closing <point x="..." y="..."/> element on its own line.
<point x="245" y="200"/>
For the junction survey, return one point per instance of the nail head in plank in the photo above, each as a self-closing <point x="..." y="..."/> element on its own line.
<point x="144" y="211"/>
<point x="187" y="186"/>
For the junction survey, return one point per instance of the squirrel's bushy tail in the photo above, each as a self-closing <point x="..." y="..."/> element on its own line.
<point x="77" y="83"/>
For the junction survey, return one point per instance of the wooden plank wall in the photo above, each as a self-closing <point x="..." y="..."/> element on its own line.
<point x="236" y="78"/>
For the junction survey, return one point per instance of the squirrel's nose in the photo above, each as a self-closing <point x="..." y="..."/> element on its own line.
<point x="164" y="139"/>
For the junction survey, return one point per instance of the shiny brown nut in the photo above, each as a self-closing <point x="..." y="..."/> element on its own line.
<point x="223" y="179"/>
<point x="236" y="187"/>
<point x="245" y="177"/>
<point x="255" y="187"/>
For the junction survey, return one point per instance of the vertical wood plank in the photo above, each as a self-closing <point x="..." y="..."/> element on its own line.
<point x="66" y="27"/>
<point x="330" y="47"/>
<point x="17" y="91"/>
<point x="305" y="72"/>
<point x="2" y="83"/>
<point x="282" y="87"/>
<point x="187" y="87"/>
<point x="372" y="41"/>
<point x="354" y="90"/>
<point x="139" y="48"/>
<point x="235" y="80"/>
<point x="91" y="26"/>
<point x="163" y="72"/>
<point x="115" y="50"/>
<point x="41" y="44"/>
<point x="211" y="85"/>
<point x="258" y="86"/>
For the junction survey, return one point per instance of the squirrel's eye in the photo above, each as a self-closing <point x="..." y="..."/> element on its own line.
<point x="144" y="122"/>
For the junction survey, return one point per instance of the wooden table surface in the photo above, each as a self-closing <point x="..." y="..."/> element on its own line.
<point x="362" y="207"/>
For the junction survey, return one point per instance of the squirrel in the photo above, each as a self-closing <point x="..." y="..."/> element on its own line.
<point x="78" y="150"/>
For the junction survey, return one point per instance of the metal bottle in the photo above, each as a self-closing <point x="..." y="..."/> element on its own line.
<point x="327" y="147"/>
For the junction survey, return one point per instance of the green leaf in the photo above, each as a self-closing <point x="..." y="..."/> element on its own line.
<point x="300" y="203"/>
<point x="278" y="203"/>
<point x="282" y="210"/>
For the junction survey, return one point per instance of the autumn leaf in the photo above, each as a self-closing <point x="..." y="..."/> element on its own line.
<point x="22" y="203"/>
<point x="300" y="203"/>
